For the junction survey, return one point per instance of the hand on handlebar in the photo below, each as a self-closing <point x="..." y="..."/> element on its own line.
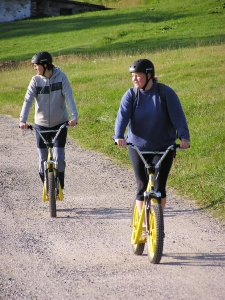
<point x="73" y="122"/>
<point x="184" y="144"/>
<point x="121" y="142"/>
<point x="23" y="125"/>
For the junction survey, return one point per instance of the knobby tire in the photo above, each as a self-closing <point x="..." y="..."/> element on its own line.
<point x="52" y="194"/>
<point x="155" y="237"/>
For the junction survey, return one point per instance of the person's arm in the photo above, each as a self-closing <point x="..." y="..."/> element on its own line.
<point x="123" y="117"/>
<point x="67" y="92"/>
<point x="178" y="118"/>
<point x="27" y="104"/>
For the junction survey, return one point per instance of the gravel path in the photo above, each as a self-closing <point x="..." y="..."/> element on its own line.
<point x="85" y="252"/>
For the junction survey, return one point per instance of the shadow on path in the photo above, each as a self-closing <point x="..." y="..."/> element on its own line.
<point x="171" y="212"/>
<point x="196" y="259"/>
<point x="96" y="213"/>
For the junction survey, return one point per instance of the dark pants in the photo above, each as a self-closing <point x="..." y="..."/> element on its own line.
<point x="161" y="174"/>
<point x="58" y="151"/>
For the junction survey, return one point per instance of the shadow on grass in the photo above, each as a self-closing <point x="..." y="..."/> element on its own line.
<point x="36" y="27"/>
<point x="156" y="43"/>
<point x="150" y="44"/>
<point x="106" y="42"/>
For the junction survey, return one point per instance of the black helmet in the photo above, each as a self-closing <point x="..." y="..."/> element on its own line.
<point x="42" y="58"/>
<point x="142" y="66"/>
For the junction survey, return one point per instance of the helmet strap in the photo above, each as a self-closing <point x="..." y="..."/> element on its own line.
<point x="45" y="68"/>
<point x="147" y="81"/>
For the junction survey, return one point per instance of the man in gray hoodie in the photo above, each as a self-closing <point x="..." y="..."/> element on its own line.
<point x="51" y="89"/>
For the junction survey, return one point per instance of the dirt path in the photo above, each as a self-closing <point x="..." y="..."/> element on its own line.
<point x="85" y="253"/>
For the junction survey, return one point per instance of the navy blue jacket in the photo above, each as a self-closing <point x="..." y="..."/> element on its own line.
<point x="154" y="123"/>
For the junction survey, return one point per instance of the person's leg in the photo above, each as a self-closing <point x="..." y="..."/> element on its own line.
<point x="59" y="154"/>
<point x="139" y="204"/>
<point x="42" y="154"/>
<point x="140" y="175"/>
<point x="161" y="176"/>
<point x="163" y="202"/>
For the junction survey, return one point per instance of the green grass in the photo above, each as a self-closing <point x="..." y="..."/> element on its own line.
<point x="158" y="25"/>
<point x="118" y="3"/>
<point x="186" y="43"/>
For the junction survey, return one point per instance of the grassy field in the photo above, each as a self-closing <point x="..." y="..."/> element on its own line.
<point x="160" y="25"/>
<point x="118" y="3"/>
<point x="186" y="43"/>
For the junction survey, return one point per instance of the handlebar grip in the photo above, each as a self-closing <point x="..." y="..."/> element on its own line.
<point x="115" y="143"/>
<point x="177" y="146"/>
<point x="28" y="127"/>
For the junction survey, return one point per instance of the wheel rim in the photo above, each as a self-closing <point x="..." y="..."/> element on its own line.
<point x="134" y="224"/>
<point x="152" y="234"/>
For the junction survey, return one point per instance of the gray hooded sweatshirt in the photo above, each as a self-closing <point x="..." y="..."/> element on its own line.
<point x="52" y="96"/>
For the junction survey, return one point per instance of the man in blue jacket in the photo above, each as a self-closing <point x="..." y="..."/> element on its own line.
<point x="155" y="119"/>
<point x="53" y="94"/>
